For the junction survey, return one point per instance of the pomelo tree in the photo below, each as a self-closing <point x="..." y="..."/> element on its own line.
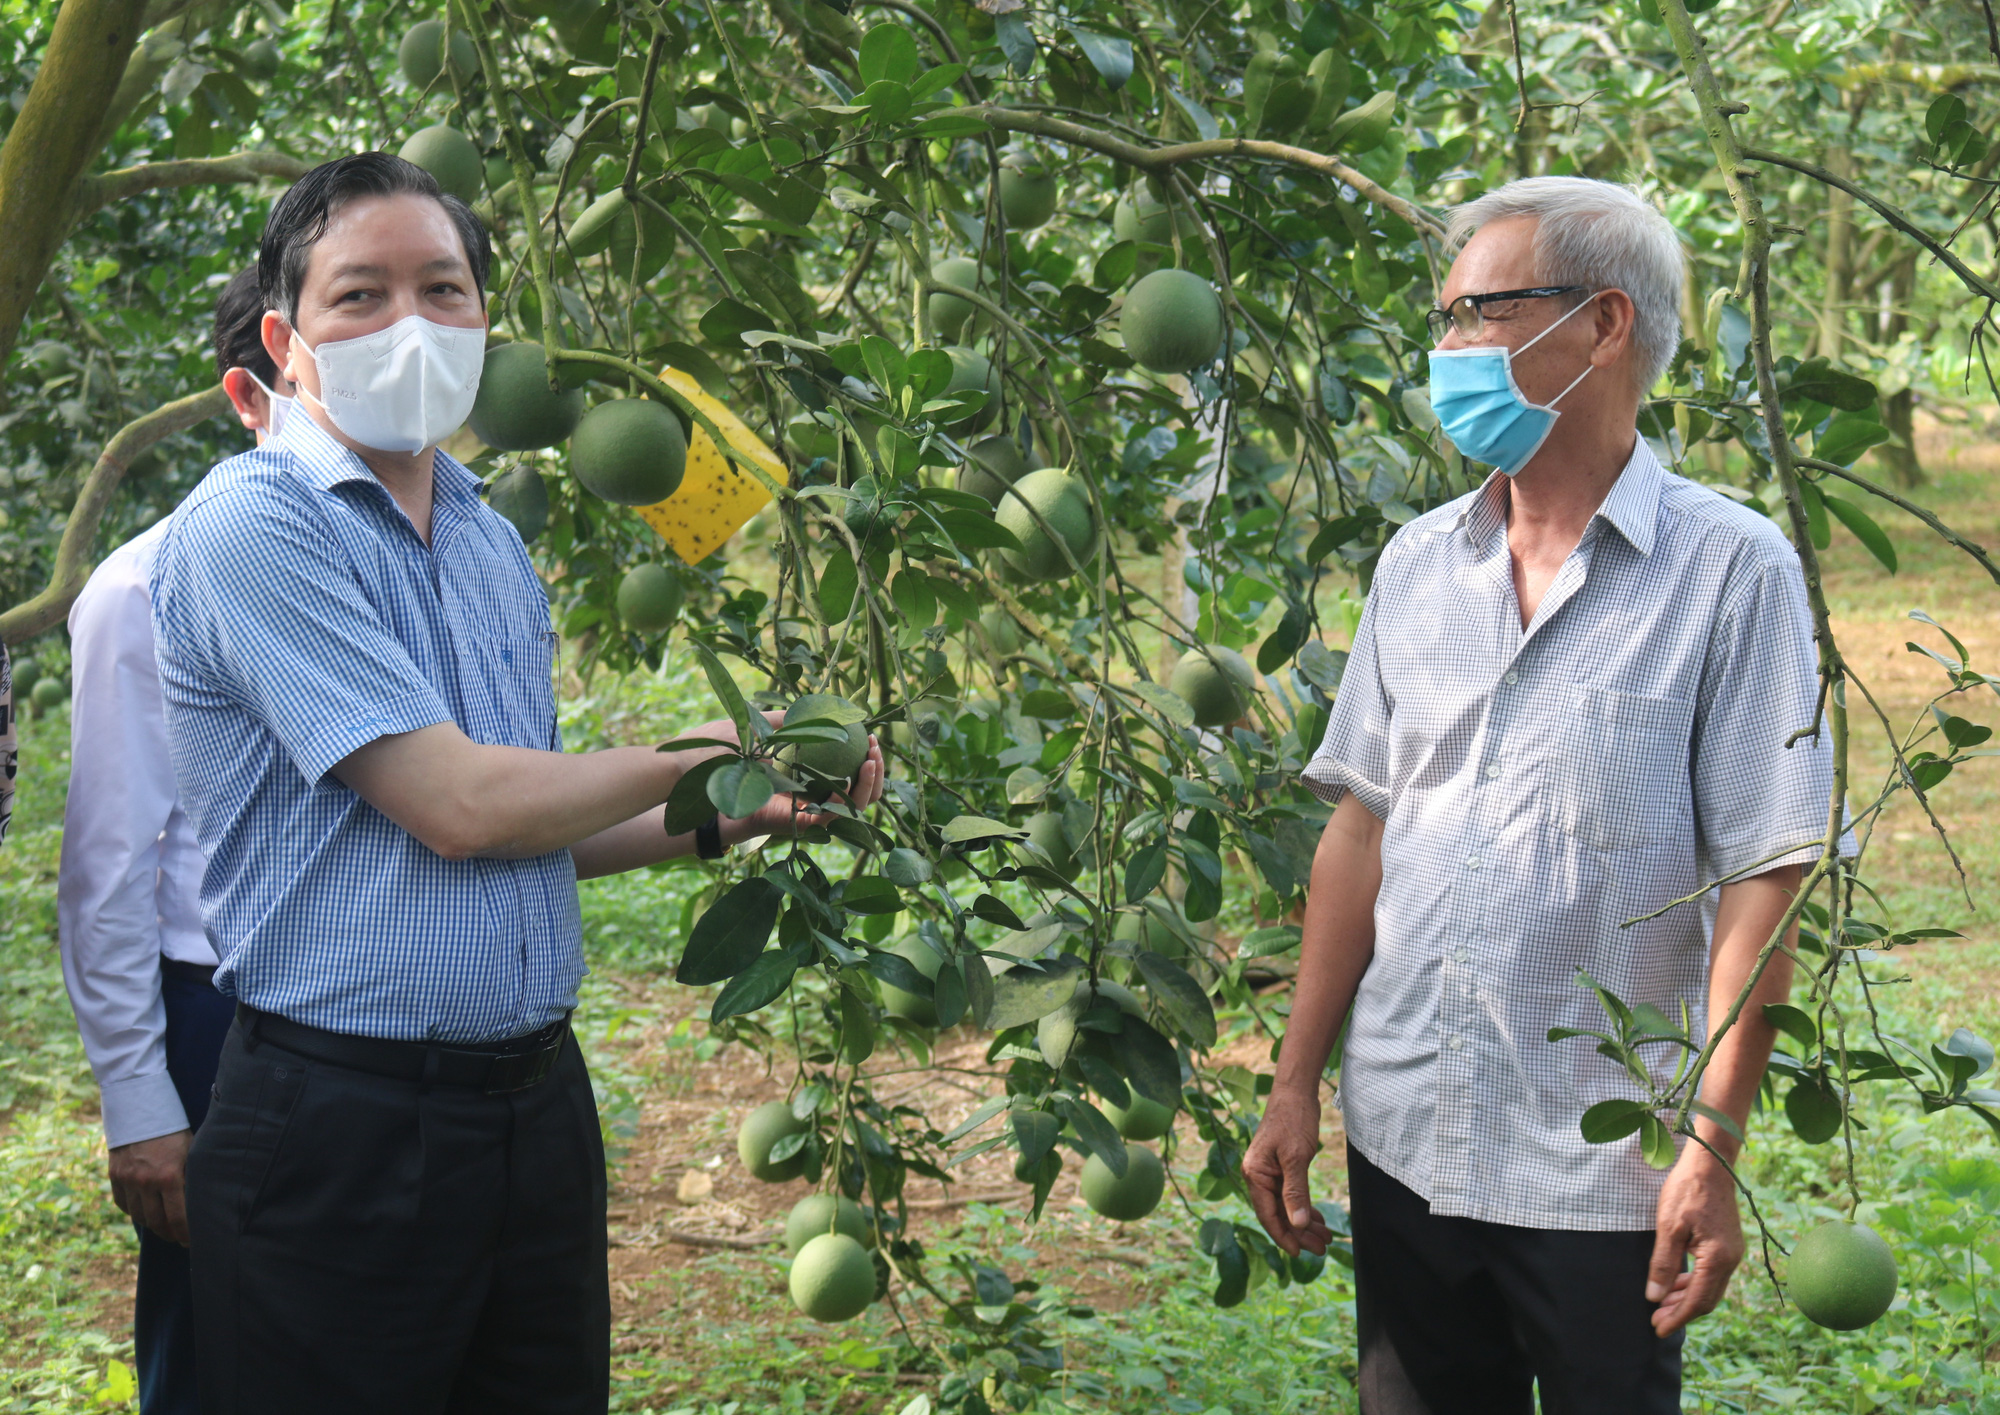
<point x="1078" y="351"/>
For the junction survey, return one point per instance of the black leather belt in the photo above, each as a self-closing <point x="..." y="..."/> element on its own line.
<point x="493" y="1067"/>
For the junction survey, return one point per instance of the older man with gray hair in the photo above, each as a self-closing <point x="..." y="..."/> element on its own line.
<point x="1568" y="705"/>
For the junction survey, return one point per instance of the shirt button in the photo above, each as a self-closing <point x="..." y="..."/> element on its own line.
<point x="1457" y="1042"/>
<point x="1473" y="863"/>
<point x="1493" y="768"/>
<point x="1462" y="955"/>
<point x="1512" y="677"/>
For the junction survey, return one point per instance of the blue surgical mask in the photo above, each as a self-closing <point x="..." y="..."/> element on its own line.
<point x="1482" y="409"/>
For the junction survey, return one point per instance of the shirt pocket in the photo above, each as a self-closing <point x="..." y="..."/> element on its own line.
<point x="1622" y="778"/>
<point x="520" y="666"/>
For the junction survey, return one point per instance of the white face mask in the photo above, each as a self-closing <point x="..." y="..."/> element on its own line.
<point x="403" y="388"/>
<point x="281" y="407"/>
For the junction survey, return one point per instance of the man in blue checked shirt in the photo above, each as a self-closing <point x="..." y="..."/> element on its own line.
<point x="396" y="1202"/>
<point x="1571" y="702"/>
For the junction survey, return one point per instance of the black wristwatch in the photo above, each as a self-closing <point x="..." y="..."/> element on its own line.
<point x="708" y="838"/>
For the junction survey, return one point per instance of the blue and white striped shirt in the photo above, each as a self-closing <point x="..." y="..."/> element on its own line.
<point x="299" y="616"/>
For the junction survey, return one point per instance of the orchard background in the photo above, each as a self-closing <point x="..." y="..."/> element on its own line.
<point x="900" y="241"/>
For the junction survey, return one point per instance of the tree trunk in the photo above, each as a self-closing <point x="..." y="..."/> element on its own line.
<point x="1839" y="240"/>
<point x="1899" y="454"/>
<point x="53" y="142"/>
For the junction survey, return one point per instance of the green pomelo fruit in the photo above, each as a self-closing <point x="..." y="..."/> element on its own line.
<point x="824" y="1213"/>
<point x="516" y="411"/>
<point x="629" y="451"/>
<point x="523" y="498"/>
<point x="449" y="156"/>
<point x="993" y="464"/>
<point x="609" y="223"/>
<point x="1063" y="504"/>
<point x="26" y="673"/>
<point x="830" y="761"/>
<point x="649" y="599"/>
<point x="1045" y="833"/>
<point x="1172" y="321"/>
<point x="1001" y="630"/>
<point x="1842" y="1275"/>
<point x="49" y="693"/>
<point x="1218" y="695"/>
<point x="1029" y="193"/>
<point x="261" y="58"/>
<point x="949" y="313"/>
<point x="1149" y="931"/>
<point x="1141" y="1120"/>
<point x="1151" y="221"/>
<point x="907" y="1005"/>
<point x="971" y="369"/>
<point x="763" y="1128"/>
<point x="832" y="1279"/>
<point x="1131" y="1198"/>
<point x="421" y="55"/>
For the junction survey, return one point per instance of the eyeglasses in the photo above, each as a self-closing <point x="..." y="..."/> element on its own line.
<point x="1466" y="313"/>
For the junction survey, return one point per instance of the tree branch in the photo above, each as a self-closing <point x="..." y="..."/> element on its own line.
<point x="1888" y="213"/>
<point x="93" y="193"/>
<point x="1155" y="159"/>
<point x="1977" y="552"/>
<point x="73" y="563"/>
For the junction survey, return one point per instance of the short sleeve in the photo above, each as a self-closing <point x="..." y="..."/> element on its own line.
<point x="1758" y="802"/>
<point x="1354" y="755"/>
<point x="257" y="601"/>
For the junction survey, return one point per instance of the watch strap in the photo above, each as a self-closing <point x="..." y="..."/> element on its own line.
<point x="708" y="839"/>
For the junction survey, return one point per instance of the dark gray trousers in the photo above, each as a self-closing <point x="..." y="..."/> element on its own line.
<point x="1461" y="1317"/>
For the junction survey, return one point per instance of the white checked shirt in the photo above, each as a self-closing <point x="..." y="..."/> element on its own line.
<point x="129" y="889"/>
<point x="1540" y="788"/>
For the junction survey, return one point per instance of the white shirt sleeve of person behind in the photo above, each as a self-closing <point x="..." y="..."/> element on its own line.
<point x="128" y="890"/>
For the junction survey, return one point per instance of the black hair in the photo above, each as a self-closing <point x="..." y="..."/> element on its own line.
<point x="301" y="215"/>
<point x="238" y="335"/>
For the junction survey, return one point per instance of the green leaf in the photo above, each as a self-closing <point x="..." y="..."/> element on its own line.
<point x="1945" y="109"/>
<point x="1794" y="1023"/>
<point x="1110" y="55"/>
<point x="1035" y="1132"/>
<point x="688" y="806"/>
<point x="740" y="789"/>
<point x="838" y="581"/>
<point x="1097" y="1134"/>
<point x="1265" y="943"/>
<point x="976" y="530"/>
<point x="995" y="911"/>
<point x="962" y="830"/>
<point x="1149" y="1061"/>
<point x="1963" y="735"/>
<point x="906" y="867"/>
<point x="1115" y="266"/>
<point x="1612" y="1120"/>
<point x="1180" y="997"/>
<point x="1733" y="334"/>
<point x="759" y="985"/>
<point x="1030" y="991"/>
<point x="870" y="894"/>
<point x="1865" y="529"/>
<point x="889" y="51"/>
<point x="886" y="364"/>
<point x="727" y="693"/>
<point x="1814" y="1109"/>
<point x="948" y="993"/>
<point x="730" y="935"/>
<point x="1145" y="870"/>
<point x="1846" y="438"/>
<point x="1656" y="1142"/>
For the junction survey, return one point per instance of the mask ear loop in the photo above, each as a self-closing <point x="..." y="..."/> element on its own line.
<point x="1550" y="405"/>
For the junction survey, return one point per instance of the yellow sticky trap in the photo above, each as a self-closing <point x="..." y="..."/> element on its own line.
<point x="716" y="498"/>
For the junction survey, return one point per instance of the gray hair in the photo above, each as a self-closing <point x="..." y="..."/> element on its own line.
<point x="1600" y="234"/>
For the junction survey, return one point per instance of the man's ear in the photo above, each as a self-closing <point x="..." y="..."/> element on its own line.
<point x="276" y="332"/>
<point x="1611" y="329"/>
<point x="253" y="410"/>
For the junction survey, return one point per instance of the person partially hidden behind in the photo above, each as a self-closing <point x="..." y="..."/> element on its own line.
<point x="397" y="1200"/>
<point x="135" y="960"/>
<point x="1568" y="705"/>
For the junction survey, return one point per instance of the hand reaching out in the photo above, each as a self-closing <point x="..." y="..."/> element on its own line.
<point x="784" y="813"/>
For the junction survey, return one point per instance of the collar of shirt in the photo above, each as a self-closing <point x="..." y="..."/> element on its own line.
<point x="318" y="460"/>
<point x="1632" y="507"/>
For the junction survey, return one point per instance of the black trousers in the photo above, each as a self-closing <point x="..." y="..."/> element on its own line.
<point x="369" y="1244"/>
<point x="198" y="1018"/>
<point x="1461" y="1317"/>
